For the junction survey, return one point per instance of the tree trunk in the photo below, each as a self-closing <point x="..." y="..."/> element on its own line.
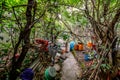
<point x="24" y="36"/>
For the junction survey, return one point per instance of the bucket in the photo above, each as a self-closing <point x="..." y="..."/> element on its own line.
<point x="89" y="44"/>
<point x="86" y="57"/>
<point x="76" y="47"/>
<point x="80" y="47"/>
<point x="72" y="43"/>
<point x="50" y="73"/>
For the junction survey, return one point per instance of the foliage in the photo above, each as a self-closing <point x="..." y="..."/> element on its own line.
<point x="55" y="13"/>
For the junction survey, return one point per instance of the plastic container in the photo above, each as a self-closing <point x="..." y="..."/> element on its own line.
<point x="72" y="43"/>
<point x="89" y="44"/>
<point x="80" y="47"/>
<point x="50" y="73"/>
<point x="76" y="47"/>
<point x="86" y="57"/>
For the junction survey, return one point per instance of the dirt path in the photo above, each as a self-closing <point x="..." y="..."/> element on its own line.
<point x="70" y="69"/>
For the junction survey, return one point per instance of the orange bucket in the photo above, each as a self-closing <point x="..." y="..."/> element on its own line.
<point x="76" y="47"/>
<point x="90" y="44"/>
<point x="80" y="47"/>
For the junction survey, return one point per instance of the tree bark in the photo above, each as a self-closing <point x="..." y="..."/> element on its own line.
<point x="25" y="37"/>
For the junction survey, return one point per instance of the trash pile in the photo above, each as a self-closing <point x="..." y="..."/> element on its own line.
<point x="49" y="62"/>
<point x="85" y="54"/>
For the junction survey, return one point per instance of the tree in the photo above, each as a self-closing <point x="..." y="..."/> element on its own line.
<point x="25" y="37"/>
<point x="47" y="19"/>
<point x="103" y="16"/>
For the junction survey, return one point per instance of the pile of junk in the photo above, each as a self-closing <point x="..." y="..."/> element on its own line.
<point x="48" y="64"/>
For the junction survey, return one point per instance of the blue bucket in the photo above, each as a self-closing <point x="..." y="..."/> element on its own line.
<point x="86" y="57"/>
<point x="72" y="43"/>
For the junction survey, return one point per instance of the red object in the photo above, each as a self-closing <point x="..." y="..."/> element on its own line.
<point x="17" y="56"/>
<point x="94" y="46"/>
<point x="44" y="44"/>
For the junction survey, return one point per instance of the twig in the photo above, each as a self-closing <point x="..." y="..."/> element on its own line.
<point x="93" y="21"/>
<point x="115" y="19"/>
<point x="101" y="59"/>
<point x="70" y="30"/>
<point x="19" y="24"/>
<point x="37" y="19"/>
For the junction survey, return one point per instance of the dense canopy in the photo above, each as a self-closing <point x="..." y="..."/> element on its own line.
<point x="82" y="21"/>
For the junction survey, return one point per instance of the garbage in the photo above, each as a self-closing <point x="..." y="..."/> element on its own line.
<point x="76" y="47"/>
<point x="86" y="57"/>
<point x="43" y="44"/>
<point x="72" y="43"/>
<point x="80" y="46"/>
<point x="89" y="44"/>
<point x="27" y="74"/>
<point x="50" y="73"/>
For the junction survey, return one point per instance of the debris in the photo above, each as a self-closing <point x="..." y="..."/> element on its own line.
<point x="50" y="73"/>
<point x="27" y="74"/>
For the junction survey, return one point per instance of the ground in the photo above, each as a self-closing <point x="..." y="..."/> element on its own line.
<point x="70" y="69"/>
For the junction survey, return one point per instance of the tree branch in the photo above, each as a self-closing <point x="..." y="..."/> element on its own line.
<point x="18" y="22"/>
<point x="71" y="30"/>
<point x="101" y="59"/>
<point x="115" y="19"/>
